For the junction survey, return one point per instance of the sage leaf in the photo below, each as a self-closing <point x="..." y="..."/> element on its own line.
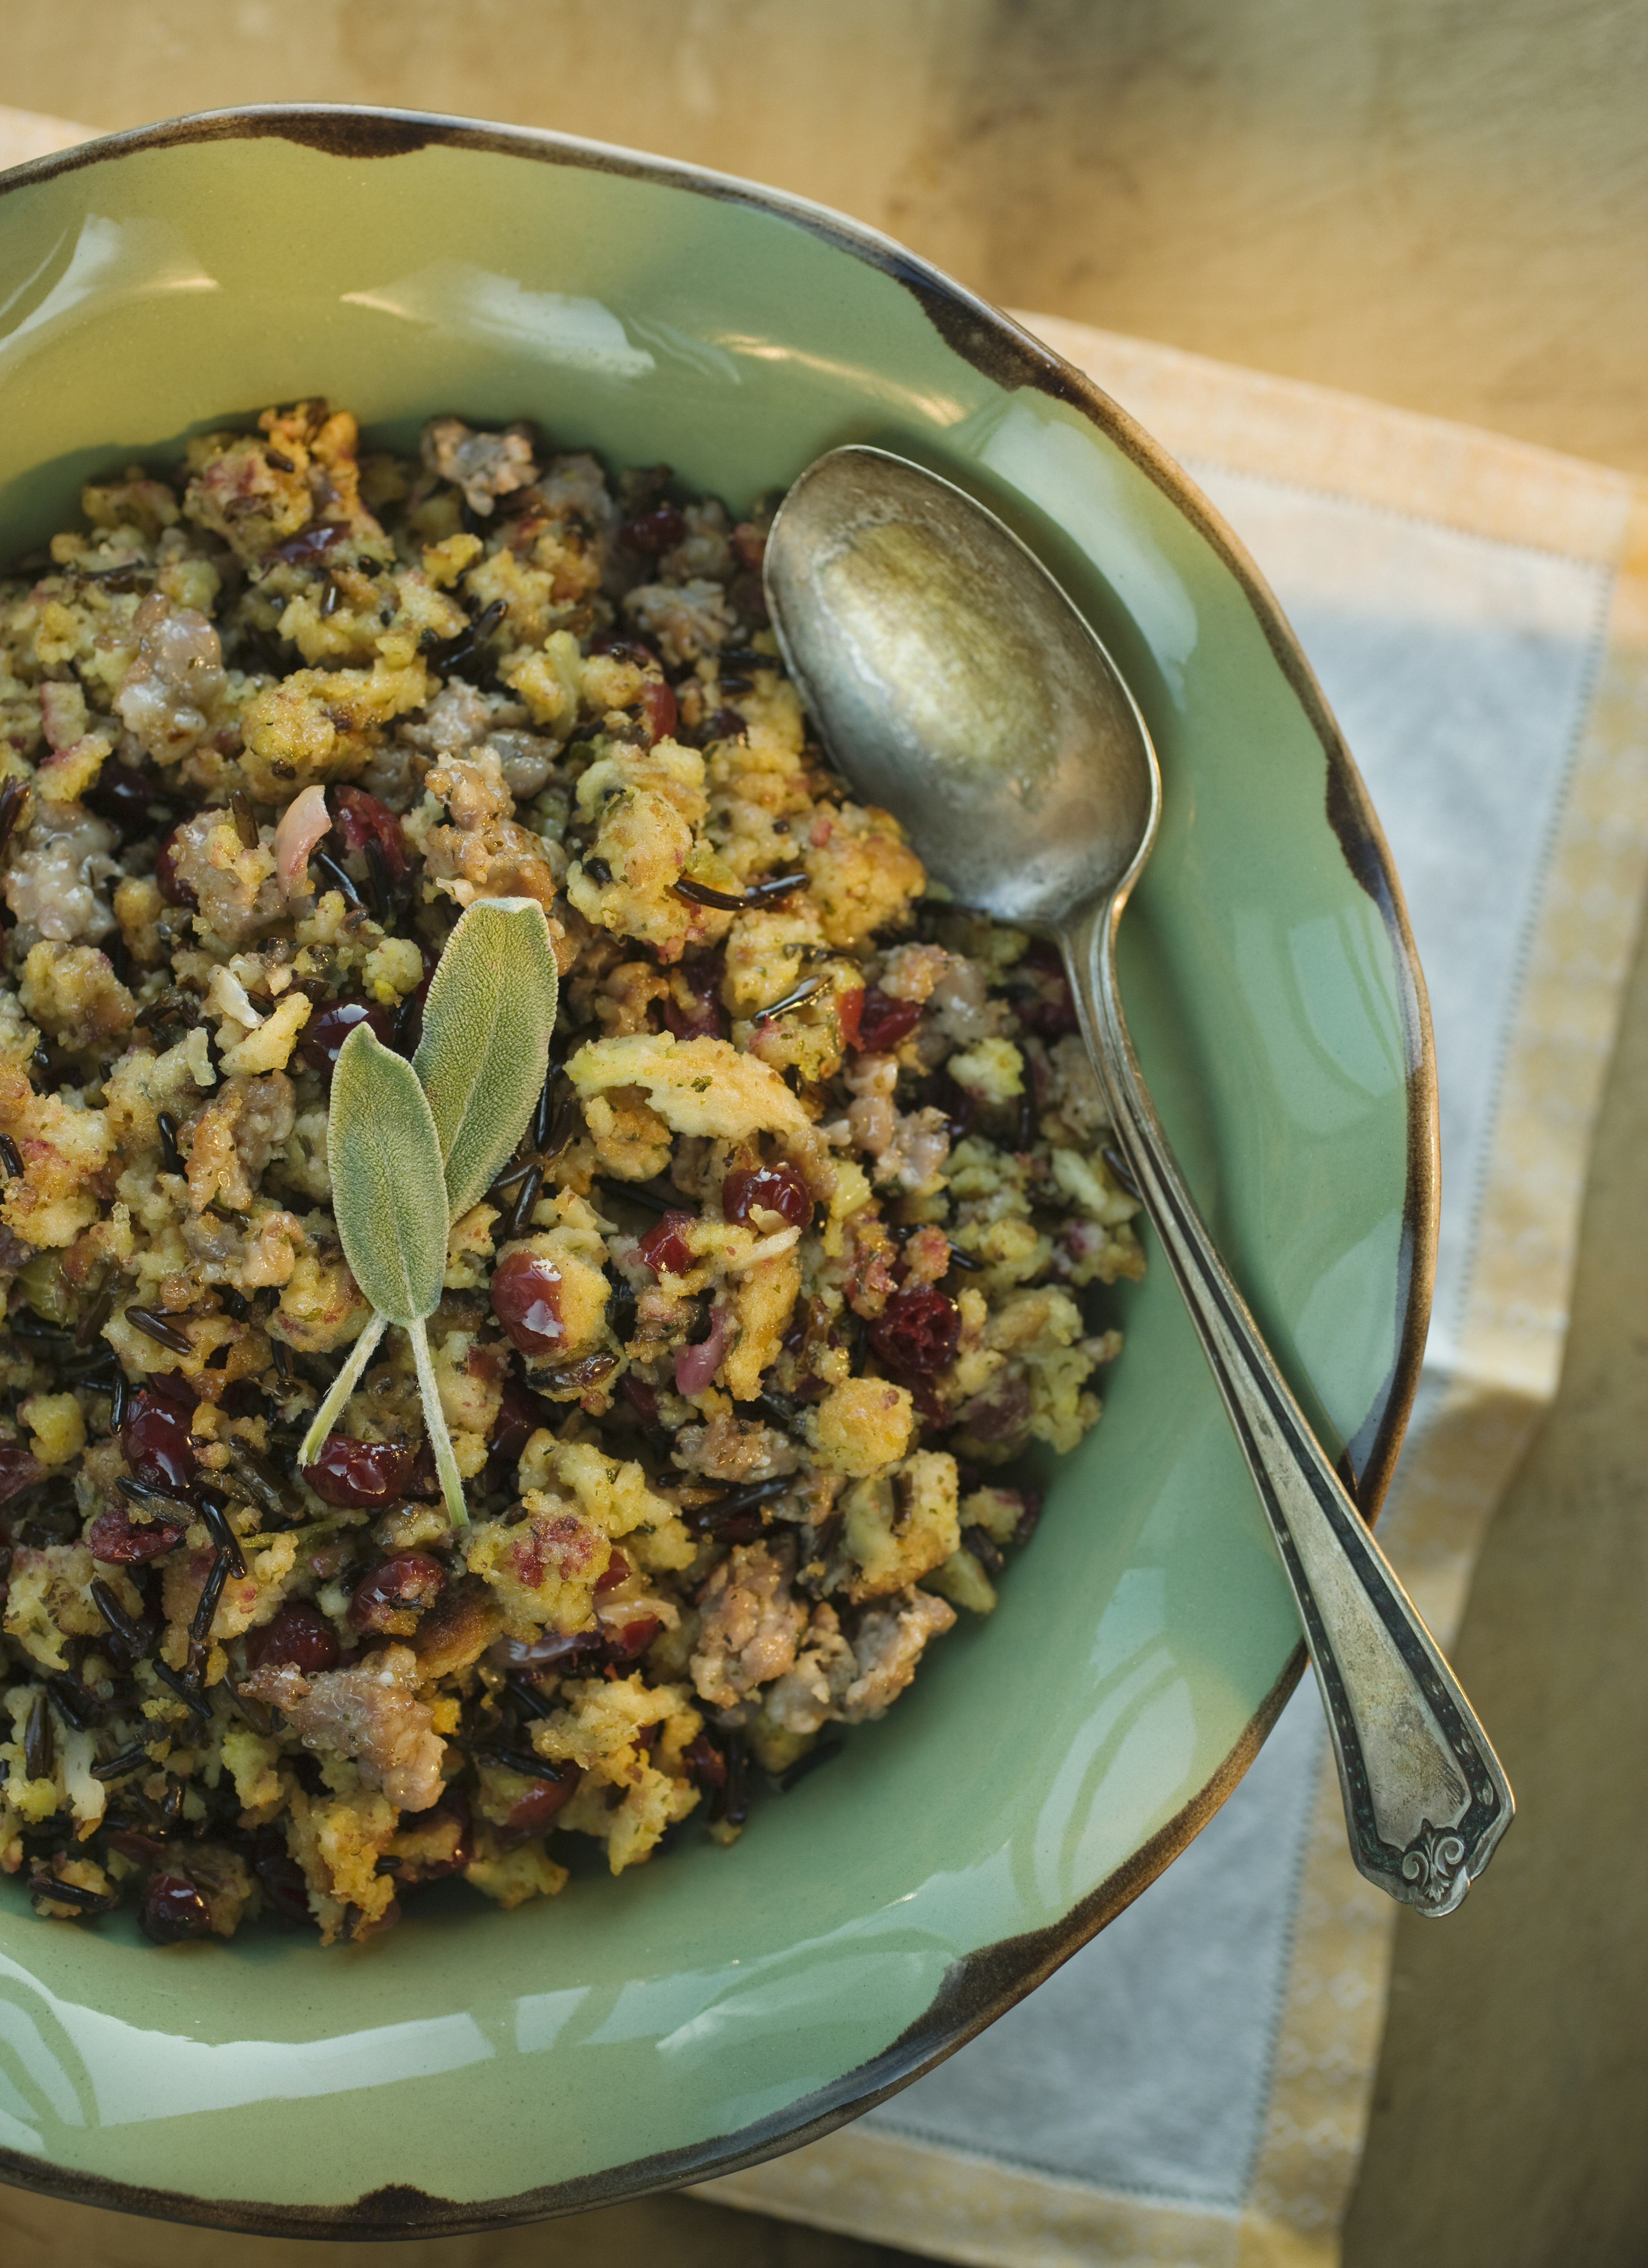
<point x="389" y="1193"/>
<point x="341" y="1387"/>
<point x="485" y="1051"/>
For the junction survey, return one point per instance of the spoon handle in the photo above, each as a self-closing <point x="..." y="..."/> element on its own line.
<point x="1425" y="1798"/>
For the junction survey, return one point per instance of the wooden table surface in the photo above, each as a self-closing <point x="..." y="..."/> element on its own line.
<point x="1436" y="203"/>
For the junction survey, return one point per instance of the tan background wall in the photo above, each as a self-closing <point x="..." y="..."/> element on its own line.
<point x="1440" y="202"/>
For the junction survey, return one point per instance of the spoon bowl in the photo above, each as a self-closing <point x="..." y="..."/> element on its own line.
<point x="952" y="677"/>
<point x="955" y="685"/>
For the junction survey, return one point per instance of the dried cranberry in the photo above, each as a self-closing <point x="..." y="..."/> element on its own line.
<point x="325" y="1032"/>
<point x="658" y="709"/>
<point x="746" y="596"/>
<point x="627" y="649"/>
<point x="561" y="1653"/>
<point x="520" y="1415"/>
<point x="527" y="1301"/>
<point x="533" y="1812"/>
<point x="172" y="1909"/>
<point x="452" y="1807"/>
<point x="883" y="1021"/>
<point x="655" y="531"/>
<point x="119" y="1541"/>
<point x="141" y="1850"/>
<point x="574" y="1377"/>
<point x="312" y="542"/>
<point x="768" y="1189"/>
<point x="123" y="794"/>
<point x="1000" y="1413"/>
<point x="18" y="1470"/>
<point x="960" y="1109"/>
<point x="639" y="1395"/>
<point x="360" y="819"/>
<point x="155" y="1434"/>
<point x="168" y="882"/>
<point x="1049" y="1010"/>
<point x="403" y="1585"/>
<point x="54" y="1517"/>
<point x="423" y="1481"/>
<point x="357" y="1928"/>
<point x="749" y="545"/>
<point x="665" y="1248"/>
<point x="616" y="1572"/>
<point x="628" y="1641"/>
<point x="849" y="1009"/>
<point x="730" y="1801"/>
<point x="915" y="1333"/>
<point x="285" y="1892"/>
<point x="705" y="1018"/>
<point x="706" y="1766"/>
<point x="299" y="1637"/>
<point x="350" y="1473"/>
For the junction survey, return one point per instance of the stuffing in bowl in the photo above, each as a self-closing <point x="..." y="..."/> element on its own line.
<point x="697" y="1442"/>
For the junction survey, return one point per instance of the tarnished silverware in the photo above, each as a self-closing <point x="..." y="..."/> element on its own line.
<point x="955" y="684"/>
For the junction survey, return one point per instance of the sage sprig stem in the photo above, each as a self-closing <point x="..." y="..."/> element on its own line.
<point x="389" y="1199"/>
<point x="411" y="1146"/>
<point x="435" y="1419"/>
<point x="341" y="1387"/>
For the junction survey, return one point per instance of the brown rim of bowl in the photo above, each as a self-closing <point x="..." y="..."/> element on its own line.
<point x="986" y="1983"/>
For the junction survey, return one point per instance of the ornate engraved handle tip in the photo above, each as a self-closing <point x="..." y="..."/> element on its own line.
<point x="1425" y="1798"/>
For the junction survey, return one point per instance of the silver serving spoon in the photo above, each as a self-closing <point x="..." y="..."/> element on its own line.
<point x="955" y="685"/>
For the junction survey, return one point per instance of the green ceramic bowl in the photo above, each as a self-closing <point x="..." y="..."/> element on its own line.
<point x="474" y="2067"/>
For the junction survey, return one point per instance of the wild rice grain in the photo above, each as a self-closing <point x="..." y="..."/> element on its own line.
<point x="157" y="1327"/>
<point x="70" y="1894"/>
<point x="796" y="1000"/>
<point x="216" y="1519"/>
<point x="115" y="1615"/>
<point x="40" y="1740"/>
<point x="1120" y="1169"/>
<point x="79" y="1707"/>
<point x="211" y="1591"/>
<point x="129" y="1760"/>
<point x="339" y="876"/>
<point x="378" y="879"/>
<point x="260" y="1483"/>
<point x="701" y="894"/>
<point x="13" y="796"/>
<point x="521" y="1211"/>
<point x="192" y="1698"/>
<point x="154" y="1499"/>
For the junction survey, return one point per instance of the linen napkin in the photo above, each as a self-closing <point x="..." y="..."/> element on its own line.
<point x="1193" y="2086"/>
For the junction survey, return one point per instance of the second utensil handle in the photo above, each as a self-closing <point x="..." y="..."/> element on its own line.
<point x="1425" y="1798"/>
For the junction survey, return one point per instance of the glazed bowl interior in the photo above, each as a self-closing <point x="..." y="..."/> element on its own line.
<point x="475" y="2066"/>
